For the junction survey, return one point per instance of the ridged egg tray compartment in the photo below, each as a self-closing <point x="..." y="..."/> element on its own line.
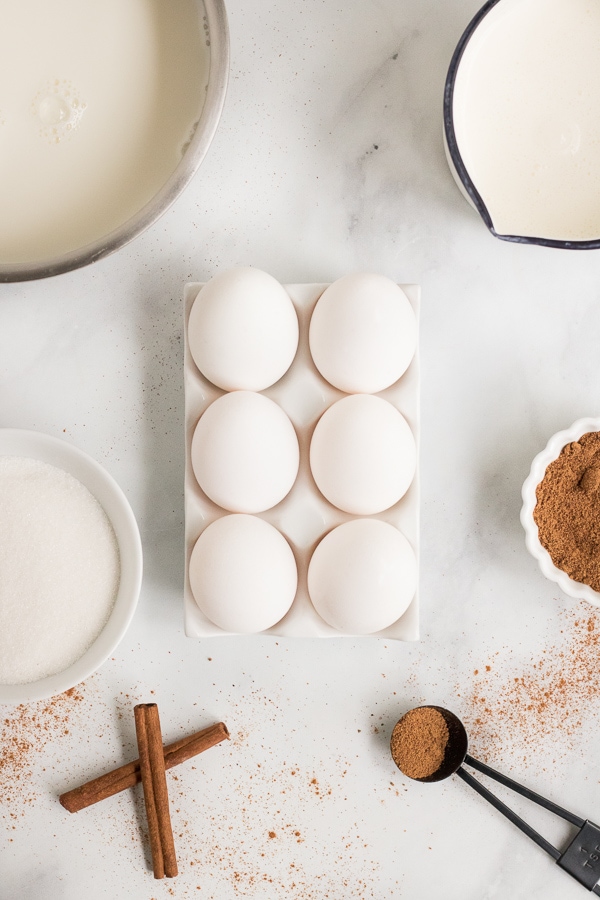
<point x="304" y="516"/>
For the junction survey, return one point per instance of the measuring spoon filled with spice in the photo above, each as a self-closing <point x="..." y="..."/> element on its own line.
<point x="430" y="743"/>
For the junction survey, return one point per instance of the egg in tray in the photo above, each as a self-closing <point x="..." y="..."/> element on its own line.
<point x="301" y="481"/>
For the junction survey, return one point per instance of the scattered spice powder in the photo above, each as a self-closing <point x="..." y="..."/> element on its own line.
<point x="552" y="695"/>
<point x="24" y="733"/>
<point x="567" y="512"/>
<point x="266" y="792"/>
<point x="419" y="742"/>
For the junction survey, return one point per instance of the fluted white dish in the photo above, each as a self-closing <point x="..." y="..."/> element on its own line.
<point x="539" y="465"/>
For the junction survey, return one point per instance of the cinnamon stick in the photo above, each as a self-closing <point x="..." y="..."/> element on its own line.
<point x="156" y="796"/>
<point x="129" y="775"/>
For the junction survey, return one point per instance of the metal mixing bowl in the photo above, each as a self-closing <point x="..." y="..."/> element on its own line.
<point x="218" y="33"/>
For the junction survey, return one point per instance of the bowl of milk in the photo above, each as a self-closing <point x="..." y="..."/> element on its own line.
<point x="106" y="111"/>
<point x="521" y="123"/>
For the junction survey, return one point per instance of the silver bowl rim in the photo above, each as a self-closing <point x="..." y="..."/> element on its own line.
<point x="218" y="32"/>
<point x="457" y="160"/>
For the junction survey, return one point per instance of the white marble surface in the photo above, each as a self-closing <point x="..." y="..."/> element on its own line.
<point x="329" y="159"/>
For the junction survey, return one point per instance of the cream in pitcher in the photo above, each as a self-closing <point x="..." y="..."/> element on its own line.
<point x="527" y="117"/>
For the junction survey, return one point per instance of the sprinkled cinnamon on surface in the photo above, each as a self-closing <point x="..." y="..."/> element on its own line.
<point x="25" y="731"/>
<point x="269" y="847"/>
<point x="556" y="690"/>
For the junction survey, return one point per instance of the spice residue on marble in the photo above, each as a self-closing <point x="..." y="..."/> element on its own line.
<point x="25" y="733"/>
<point x="556" y="692"/>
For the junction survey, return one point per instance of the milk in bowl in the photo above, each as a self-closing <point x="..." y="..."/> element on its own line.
<point x="98" y="102"/>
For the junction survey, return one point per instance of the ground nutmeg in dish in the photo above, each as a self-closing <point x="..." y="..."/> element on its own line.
<point x="567" y="512"/>
<point x="419" y="742"/>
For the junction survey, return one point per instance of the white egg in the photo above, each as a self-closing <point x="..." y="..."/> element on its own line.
<point x="245" y="453"/>
<point x="362" y="576"/>
<point x="363" y="454"/>
<point x="243" y="574"/>
<point x="243" y="330"/>
<point x="363" y="333"/>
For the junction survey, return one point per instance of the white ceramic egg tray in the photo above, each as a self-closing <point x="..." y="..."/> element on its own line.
<point x="304" y="516"/>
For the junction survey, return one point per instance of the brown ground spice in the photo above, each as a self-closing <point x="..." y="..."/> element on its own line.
<point x="25" y="731"/>
<point x="568" y="510"/>
<point x="419" y="742"/>
<point x="512" y="713"/>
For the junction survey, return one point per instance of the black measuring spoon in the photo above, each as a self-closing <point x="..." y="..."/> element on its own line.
<point x="581" y="858"/>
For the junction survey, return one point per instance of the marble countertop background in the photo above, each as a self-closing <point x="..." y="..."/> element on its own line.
<point x="328" y="159"/>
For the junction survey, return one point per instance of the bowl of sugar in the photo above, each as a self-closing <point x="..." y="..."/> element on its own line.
<point x="70" y="566"/>
<point x="521" y="128"/>
<point x="106" y="112"/>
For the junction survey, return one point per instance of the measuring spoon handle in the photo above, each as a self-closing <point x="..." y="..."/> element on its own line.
<point x="524" y="792"/>
<point x="581" y="859"/>
<point x="509" y="813"/>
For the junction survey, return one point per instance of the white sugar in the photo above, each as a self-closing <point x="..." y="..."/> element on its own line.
<point x="59" y="570"/>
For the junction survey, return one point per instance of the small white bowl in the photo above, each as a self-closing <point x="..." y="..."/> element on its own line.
<point x="103" y="487"/>
<point x="539" y="465"/>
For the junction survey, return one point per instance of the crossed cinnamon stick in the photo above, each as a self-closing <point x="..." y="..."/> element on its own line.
<point x="156" y="795"/>
<point x="150" y="770"/>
